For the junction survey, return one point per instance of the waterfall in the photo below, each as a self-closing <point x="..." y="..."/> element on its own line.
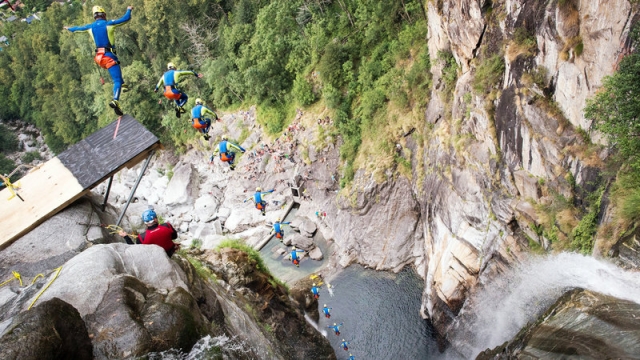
<point x="504" y="305"/>
<point x="315" y="325"/>
<point x="206" y="348"/>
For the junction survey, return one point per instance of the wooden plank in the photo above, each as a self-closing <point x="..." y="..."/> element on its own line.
<point x="45" y="190"/>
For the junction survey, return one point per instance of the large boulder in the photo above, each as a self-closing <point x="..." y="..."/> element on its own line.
<point x="302" y="242"/>
<point x="582" y="324"/>
<point x="316" y="254"/>
<point x="51" y="330"/>
<point x="308" y="227"/>
<point x="182" y="187"/>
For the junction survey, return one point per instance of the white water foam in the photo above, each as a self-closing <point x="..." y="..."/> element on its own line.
<point x="501" y="308"/>
<point x="315" y="325"/>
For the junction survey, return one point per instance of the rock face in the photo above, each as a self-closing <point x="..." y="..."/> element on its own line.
<point x="51" y="330"/>
<point x="581" y="324"/>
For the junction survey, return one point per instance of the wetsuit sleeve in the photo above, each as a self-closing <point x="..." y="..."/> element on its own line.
<point x="206" y="110"/>
<point x="129" y="241"/>
<point x="80" y="28"/>
<point x="181" y="73"/>
<point x="160" y="82"/>
<point x="286" y="223"/>
<point x="234" y="146"/>
<point x="126" y="17"/>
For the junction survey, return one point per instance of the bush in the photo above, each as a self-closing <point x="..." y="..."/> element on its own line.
<point x="254" y="255"/>
<point x="6" y="165"/>
<point x="303" y="91"/>
<point x="8" y="140"/>
<point x="488" y="74"/>
<point x="30" y="156"/>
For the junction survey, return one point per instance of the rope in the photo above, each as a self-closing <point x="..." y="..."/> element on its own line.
<point x="46" y="287"/>
<point x="16" y="276"/>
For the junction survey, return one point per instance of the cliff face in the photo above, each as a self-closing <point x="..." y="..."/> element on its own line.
<point x="487" y="153"/>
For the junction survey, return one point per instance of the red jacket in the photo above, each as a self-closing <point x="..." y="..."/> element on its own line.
<point x="160" y="235"/>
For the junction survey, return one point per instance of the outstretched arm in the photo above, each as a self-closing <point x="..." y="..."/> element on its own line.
<point x="160" y="83"/>
<point x="237" y="147"/>
<point x="126" y="17"/>
<point x="206" y="110"/>
<point x="78" y="28"/>
<point x="181" y="73"/>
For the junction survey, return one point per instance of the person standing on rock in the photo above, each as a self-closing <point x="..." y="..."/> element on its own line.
<point x="344" y="345"/>
<point x="257" y="199"/>
<point x="327" y="311"/>
<point x="294" y="256"/>
<point x="315" y="290"/>
<point x="336" y="328"/>
<point x="102" y="33"/>
<point x="199" y="119"/>
<point x="226" y="155"/>
<point x="170" y="80"/>
<point x="156" y="234"/>
<point x="278" y="230"/>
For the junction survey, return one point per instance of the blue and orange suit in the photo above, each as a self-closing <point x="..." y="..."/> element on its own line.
<point x="170" y="80"/>
<point x="199" y="119"/>
<point x="102" y="33"/>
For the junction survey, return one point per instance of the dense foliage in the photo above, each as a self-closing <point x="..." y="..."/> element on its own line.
<point x="278" y="54"/>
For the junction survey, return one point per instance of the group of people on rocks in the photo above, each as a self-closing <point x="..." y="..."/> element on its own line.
<point x="102" y="33"/>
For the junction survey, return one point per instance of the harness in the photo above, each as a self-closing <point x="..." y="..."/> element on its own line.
<point x="103" y="61"/>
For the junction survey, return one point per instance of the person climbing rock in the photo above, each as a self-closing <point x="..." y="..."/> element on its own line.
<point x="156" y="234"/>
<point x="326" y="311"/>
<point x="315" y="290"/>
<point x="199" y="121"/>
<point x="259" y="202"/>
<point x="170" y="80"/>
<point x="336" y="328"/>
<point x="277" y="228"/>
<point x="344" y="345"/>
<point x="102" y="33"/>
<point x="294" y="256"/>
<point x="226" y="155"/>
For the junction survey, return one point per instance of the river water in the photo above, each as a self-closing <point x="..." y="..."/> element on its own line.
<point x="380" y="315"/>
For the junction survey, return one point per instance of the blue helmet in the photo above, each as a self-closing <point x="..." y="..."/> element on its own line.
<point x="149" y="216"/>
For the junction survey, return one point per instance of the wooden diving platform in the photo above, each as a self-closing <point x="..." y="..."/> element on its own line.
<point x="62" y="180"/>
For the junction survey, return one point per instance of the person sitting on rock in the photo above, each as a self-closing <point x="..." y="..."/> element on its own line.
<point x="336" y="328"/>
<point x="327" y="311"/>
<point x="277" y="228"/>
<point x="344" y="345"/>
<point x="257" y="199"/>
<point x="199" y="119"/>
<point x="294" y="256"/>
<point x="226" y="155"/>
<point x="315" y="290"/>
<point x="156" y="234"/>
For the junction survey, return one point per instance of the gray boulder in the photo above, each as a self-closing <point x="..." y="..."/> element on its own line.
<point x="316" y="254"/>
<point x="51" y="330"/>
<point x="302" y="242"/>
<point x="182" y="186"/>
<point x="308" y="227"/>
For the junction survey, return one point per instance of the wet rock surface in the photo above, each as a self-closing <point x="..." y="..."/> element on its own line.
<point x="51" y="330"/>
<point x="582" y="324"/>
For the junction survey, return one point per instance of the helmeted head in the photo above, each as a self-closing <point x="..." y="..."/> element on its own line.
<point x="343" y="340"/>
<point x="294" y="248"/>
<point x="149" y="217"/>
<point x="258" y="188"/>
<point x="98" y="12"/>
<point x="171" y="66"/>
<point x="199" y="101"/>
<point x="334" y="324"/>
<point x="314" y="284"/>
<point x="225" y="137"/>
<point x="325" y="305"/>
<point x="278" y="220"/>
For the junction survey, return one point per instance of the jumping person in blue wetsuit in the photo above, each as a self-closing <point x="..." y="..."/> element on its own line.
<point x="351" y="357"/>
<point x="344" y="344"/>
<point x="170" y="80"/>
<point x="315" y="290"/>
<point x="199" y="119"/>
<point x="277" y="228"/>
<point x="226" y="155"/>
<point x="327" y="311"/>
<point x="294" y="256"/>
<point x="257" y="199"/>
<point x="101" y="31"/>
<point x="336" y="328"/>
